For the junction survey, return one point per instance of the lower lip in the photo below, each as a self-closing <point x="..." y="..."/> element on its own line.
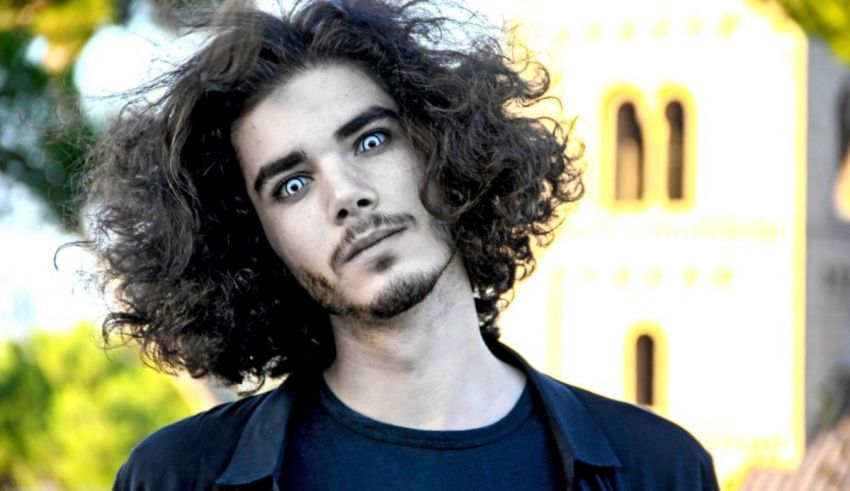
<point x="372" y="247"/>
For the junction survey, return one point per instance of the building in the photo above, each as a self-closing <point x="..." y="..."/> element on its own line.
<point x="706" y="275"/>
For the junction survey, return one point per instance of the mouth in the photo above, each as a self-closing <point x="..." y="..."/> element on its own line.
<point x="369" y="240"/>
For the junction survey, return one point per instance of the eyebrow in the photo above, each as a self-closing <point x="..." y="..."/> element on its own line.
<point x="276" y="167"/>
<point x="292" y="159"/>
<point x="371" y="113"/>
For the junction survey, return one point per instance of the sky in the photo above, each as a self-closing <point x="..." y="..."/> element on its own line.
<point x="35" y="293"/>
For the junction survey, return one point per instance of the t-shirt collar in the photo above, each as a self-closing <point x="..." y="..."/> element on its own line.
<point x="576" y="432"/>
<point x="259" y="452"/>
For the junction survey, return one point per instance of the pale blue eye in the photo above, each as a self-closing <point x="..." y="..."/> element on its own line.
<point x="293" y="185"/>
<point x="371" y="141"/>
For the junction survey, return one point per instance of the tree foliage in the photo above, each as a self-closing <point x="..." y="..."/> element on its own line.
<point x="24" y="390"/>
<point x="43" y="135"/>
<point x="827" y="19"/>
<point x="69" y="415"/>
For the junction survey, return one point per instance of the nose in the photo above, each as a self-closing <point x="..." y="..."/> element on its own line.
<point x="350" y="194"/>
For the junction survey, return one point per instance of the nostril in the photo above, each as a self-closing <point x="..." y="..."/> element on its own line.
<point x="342" y="213"/>
<point x="362" y="203"/>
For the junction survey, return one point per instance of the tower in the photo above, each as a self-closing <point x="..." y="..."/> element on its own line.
<point x="702" y="274"/>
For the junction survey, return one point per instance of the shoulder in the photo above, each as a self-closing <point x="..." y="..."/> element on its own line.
<point x="190" y="453"/>
<point x="636" y="430"/>
<point x="653" y="450"/>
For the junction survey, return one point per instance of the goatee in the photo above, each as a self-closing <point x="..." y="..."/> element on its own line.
<point x="398" y="296"/>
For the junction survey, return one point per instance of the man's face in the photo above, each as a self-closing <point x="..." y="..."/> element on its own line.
<point x="334" y="180"/>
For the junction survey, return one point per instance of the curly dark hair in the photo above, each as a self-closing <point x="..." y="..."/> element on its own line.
<point x="197" y="285"/>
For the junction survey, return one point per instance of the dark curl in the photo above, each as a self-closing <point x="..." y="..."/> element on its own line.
<point x="198" y="286"/>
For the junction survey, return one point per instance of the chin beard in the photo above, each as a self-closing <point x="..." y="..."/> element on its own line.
<point x="400" y="294"/>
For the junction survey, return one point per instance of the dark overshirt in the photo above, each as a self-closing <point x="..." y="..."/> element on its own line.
<point x="603" y="444"/>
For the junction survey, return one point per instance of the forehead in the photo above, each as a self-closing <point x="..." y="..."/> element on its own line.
<point x="303" y="113"/>
<point x="314" y="102"/>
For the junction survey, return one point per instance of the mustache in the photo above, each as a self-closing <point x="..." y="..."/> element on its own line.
<point x="373" y="222"/>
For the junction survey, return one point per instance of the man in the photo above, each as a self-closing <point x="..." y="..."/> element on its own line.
<point x="338" y="196"/>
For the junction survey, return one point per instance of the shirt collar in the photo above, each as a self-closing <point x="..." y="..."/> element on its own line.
<point x="576" y="432"/>
<point x="259" y="453"/>
<point x="260" y="449"/>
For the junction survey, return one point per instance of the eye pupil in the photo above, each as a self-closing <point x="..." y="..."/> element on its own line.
<point x="293" y="186"/>
<point x="372" y="141"/>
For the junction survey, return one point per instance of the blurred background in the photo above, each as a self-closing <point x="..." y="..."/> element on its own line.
<point x="705" y="275"/>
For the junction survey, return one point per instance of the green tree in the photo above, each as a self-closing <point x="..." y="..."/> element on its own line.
<point x="43" y="135"/>
<point x="24" y="393"/>
<point x="71" y="415"/>
<point x="827" y="19"/>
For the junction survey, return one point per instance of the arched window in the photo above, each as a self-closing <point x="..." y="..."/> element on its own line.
<point x="841" y="190"/>
<point x="629" y="171"/>
<point x="645" y="370"/>
<point x="675" y="115"/>
<point x="844" y="120"/>
<point x="645" y="366"/>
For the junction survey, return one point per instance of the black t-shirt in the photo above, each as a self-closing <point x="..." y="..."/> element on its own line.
<point x="332" y="447"/>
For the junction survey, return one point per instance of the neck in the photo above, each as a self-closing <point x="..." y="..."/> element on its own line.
<point x="427" y="368"/>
